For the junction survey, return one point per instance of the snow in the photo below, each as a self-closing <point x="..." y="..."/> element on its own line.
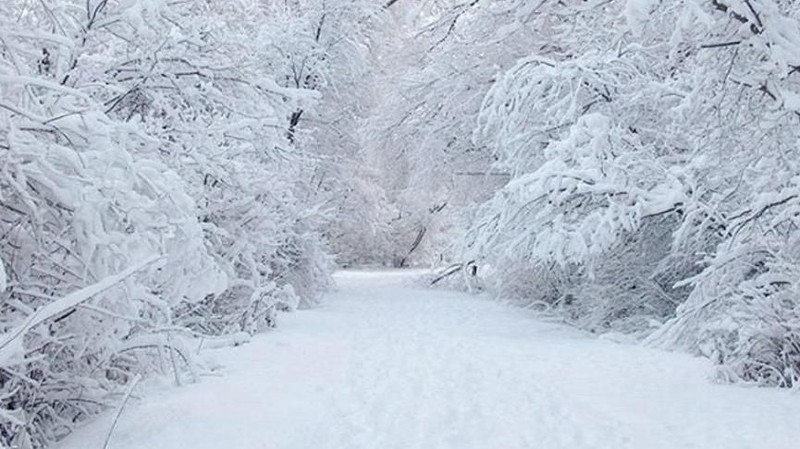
<point x="386" y="364"/>
<point x="637" y="13"/>
<point x="3" y="278"/>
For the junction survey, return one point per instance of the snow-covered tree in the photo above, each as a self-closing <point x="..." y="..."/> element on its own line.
<point x="433" y="75"/>
<point x="643" y="123"/>
<point x="79" y="210"/>
<point x="326" y="47"/>
<point x="148" y="194"/>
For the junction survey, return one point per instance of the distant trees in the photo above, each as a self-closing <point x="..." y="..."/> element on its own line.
<point x="327" y="47"/>
<point x="430" y="86"/>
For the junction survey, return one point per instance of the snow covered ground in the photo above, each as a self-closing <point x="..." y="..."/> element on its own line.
<point x="384" y="364"/>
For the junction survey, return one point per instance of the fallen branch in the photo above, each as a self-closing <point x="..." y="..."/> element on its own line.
<point x="449" y="271"/>
<point x="455" y="268"/>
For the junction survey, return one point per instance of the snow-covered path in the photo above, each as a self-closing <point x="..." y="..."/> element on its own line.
<point x="386" y="365"/>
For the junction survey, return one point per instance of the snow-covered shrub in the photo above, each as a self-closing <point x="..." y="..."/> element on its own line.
<point x="632" y="287"/>
<point x="653" y="146"/>
<point x="148" y="193"/>
<point x="204" y="89"/>
<point x="78" y="209"/>
<point x="743" y="308"/>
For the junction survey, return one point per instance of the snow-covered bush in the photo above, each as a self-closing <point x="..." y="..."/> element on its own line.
<point x="653" y="147"/>
<point x="743" y="308"/>
<point x="78" y="210"/>
<point x="206" y="92"/>
<point x="148" y="193"/>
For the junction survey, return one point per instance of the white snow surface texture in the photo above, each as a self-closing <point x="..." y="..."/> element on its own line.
<point x="384" y="364"/>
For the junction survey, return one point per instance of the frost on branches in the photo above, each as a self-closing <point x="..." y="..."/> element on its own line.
<point x="653" y="147"/>
<point x="327" y="47"/>
<point x="149" y="195"/>
<point x="177" y="170"/>
<point x="428" y="91"/>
